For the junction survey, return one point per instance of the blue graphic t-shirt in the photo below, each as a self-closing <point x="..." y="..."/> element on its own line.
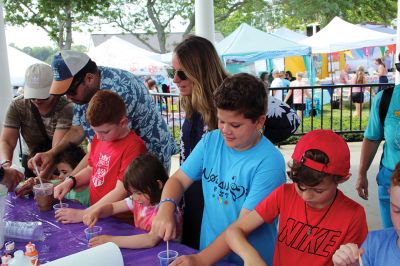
<point x="233" y="180"/>
<point x="381" y="248"/>
<point x="141" y="110"/>
<point x="391" y="132"/>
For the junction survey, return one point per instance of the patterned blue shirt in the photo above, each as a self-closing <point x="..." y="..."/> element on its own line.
<point x="141" y="110"/>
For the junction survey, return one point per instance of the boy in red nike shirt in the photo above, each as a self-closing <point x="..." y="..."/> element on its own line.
<point x="113" y="148"/>
<point x="315" y="217"/>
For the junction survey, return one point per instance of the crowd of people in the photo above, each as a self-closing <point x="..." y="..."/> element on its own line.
<point x="234" y="198"/>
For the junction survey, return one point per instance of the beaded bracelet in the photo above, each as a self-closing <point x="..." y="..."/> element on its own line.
<point x="168" y="200"/>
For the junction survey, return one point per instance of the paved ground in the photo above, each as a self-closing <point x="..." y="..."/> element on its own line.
<point x="371" y="206"/>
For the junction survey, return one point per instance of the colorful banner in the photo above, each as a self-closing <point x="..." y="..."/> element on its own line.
<point x="348" y="53"/>
<point x="360" y="53"/>
<point x="382" y="48"/>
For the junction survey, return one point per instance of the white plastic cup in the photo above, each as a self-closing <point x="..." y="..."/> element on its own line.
<point x="92" y="232"/>
<point x="60" y="206"/>
<point x="166" y="260"/>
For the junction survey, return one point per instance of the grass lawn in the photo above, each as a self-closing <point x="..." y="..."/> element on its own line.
<point x="338" y="120"/>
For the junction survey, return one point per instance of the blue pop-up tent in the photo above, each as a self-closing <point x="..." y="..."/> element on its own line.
<point x="247" y="44"/>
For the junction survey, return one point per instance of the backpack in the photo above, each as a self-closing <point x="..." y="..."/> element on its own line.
<point x="384" y="104"/>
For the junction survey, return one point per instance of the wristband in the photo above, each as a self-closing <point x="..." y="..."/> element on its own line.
<point x="168" y="200"/>
<point x="73" y="181"/>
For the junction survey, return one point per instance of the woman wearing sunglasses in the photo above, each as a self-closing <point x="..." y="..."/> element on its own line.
<point x="197" y="71"/>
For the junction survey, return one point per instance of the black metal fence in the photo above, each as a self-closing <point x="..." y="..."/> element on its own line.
<point x="330" y="107"/>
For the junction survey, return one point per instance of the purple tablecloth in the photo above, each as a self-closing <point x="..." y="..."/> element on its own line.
<point x="63" y="240"/>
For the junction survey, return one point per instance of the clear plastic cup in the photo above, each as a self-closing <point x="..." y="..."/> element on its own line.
<point x="92" y="232"/>
<point x="60" y="206"/>
<point x="166" y="260"/>
<point x="44" y="196"/>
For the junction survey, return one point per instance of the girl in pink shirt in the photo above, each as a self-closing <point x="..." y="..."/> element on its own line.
<point x="299" y="95"/>
<point x="144" y="178"/>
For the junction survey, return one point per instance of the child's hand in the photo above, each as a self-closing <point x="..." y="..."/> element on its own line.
<point x="347" y="255"/>
<point x="98" y="240"/>
<point x="90" y="219"/>
<point x="62" y="189"/>
<point x="69" y="215"/>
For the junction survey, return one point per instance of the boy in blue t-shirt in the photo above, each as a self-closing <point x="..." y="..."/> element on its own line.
<point x="382" y="247"/>
<point x="238" y="167"/>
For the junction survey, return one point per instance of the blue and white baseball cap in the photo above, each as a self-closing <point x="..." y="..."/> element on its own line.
<point x="65" y="66"/>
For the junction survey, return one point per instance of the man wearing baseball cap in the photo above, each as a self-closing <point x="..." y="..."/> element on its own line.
<point x="42" y="119"/>
<point x="315" y="217"/>
<point x="79" y="78"/>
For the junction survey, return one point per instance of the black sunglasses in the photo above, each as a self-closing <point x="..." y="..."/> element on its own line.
<point x="397" y="66"/>
<point x="181" y="75"/>
<point x="74" y="86"/>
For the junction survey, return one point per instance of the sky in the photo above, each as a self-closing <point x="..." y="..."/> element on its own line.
<point x="34" y="36"/>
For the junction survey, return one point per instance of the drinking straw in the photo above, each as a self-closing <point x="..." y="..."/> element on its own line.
<point x="360" y="260"/>
<point x="38" y="175"/>
<point x="61" y="203"/>
<point x="168" y="251"/>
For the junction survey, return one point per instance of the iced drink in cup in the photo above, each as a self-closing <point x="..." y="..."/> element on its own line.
<point x="167" y="258"/>
<point x="92" y="232"/>
<point x="44" y="196"/>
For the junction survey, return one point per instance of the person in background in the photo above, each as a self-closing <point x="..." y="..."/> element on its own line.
<point x="197" y="71"/>
<point x="382" y="73"/>
<point x="357" y="93"/>
<point x="299" y="95"/>
<point x="144" y="178"/>
<point x="344" y="77"/>
<point x="315" y="217"/>
<point x="113" y="148"/>
<point x="264" y="78"/>
<point x="290" y="78"/>
<point x="152" y="86"/>
<point x="41" y="119"/>
<point x="238" y="167"/>
<point x="382" y="247"/>
<point x="65" y="163"/>
<point x="277" y="83"/>
<point x="78" y="77"/>
<point x="387" y="60"/>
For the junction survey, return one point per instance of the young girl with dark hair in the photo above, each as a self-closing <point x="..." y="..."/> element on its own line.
<point x="144" y="179"/>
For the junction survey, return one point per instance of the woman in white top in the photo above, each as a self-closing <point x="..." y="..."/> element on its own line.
<point x="299" y="95"/>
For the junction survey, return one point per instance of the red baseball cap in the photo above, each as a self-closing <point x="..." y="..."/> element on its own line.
<point x="328" y="142"/>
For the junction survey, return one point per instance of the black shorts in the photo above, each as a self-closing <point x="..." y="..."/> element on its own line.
<point x="357" y="97"/>
<point x="299" y="106"/>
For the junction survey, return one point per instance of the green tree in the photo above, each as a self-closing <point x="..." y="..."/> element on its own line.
<point x="57" y="17"/>
<point x="299" y="13"/>
<point x="154" y="17"/>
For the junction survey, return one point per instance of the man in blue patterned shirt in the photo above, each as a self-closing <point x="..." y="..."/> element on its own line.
<point x="80" y="78"/>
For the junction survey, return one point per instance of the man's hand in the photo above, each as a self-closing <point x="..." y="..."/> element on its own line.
<point x="62" y="189"/>
<point x="43" y="160"/>
<point x="69" y="216"/>
<point x="362" y="186"/>
<point x="11" y="178"/>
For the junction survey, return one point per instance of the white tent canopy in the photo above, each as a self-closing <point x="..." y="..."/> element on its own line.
<point x="18" y="62"/>
<point x="341" y="35"/>
<point x="118" y="53"/>
<point x="287" y="34"/>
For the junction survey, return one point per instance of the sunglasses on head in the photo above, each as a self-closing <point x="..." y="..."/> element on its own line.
<point x="181" y="75"/>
